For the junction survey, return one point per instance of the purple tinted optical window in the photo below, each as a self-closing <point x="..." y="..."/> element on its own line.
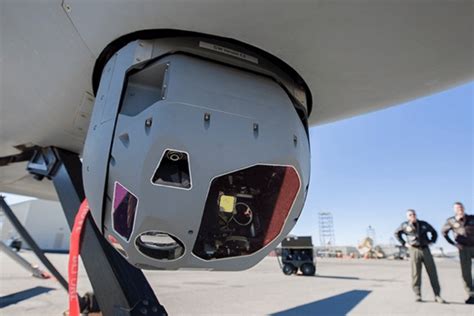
<point x="124" y="208"/>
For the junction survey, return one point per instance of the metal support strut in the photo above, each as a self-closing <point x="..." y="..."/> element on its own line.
<point x="35" y="270"/>
<point x="30" y="241"/>
<point x="120" y="288"/>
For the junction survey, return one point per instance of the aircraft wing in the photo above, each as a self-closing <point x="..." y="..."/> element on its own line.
<point x="355" y="56"/>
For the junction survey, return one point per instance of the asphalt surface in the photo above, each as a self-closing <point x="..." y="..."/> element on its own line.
<point x="342" y="286"/>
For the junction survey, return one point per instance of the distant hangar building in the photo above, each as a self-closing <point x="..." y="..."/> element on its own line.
<point x="335" y="251"/>
<point x="44" y="220"/>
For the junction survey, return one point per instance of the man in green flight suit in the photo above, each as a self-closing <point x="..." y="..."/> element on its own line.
<point x="418" y="241"/>
<point x="462" y="226"/>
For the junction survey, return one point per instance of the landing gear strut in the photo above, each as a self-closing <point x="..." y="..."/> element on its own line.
<point x="119" y="288"/>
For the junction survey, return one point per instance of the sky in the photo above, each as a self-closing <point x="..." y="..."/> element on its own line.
<point x="368" y="170"/>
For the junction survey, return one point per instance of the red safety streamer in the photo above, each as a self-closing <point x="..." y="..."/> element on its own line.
<point x="74" y="249"/>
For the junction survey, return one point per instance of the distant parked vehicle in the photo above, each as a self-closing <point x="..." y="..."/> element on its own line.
<point x="402" y="253"/>
<point x="15" y="243"/>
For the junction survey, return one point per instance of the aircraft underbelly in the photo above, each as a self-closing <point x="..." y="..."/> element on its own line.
<point x="355" y="56"/>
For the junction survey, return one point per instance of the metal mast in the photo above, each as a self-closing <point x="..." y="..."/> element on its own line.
<point x="326" y="229"/>
<point x="371" y="233"/>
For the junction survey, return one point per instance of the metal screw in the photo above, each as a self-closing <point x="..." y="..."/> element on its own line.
<point x="148" y="122"/>
<point x="145" y="302"/>
<point x="143" y="310"/>
<point x="207" y="117"/>
<point x="255" y="127"/>
<point x="190" y="232"/>
<point x="154" y="309"/>
<point x="295" y="139"/>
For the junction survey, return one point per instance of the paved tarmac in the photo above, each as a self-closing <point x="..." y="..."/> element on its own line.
<point x="342" y="286"/>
